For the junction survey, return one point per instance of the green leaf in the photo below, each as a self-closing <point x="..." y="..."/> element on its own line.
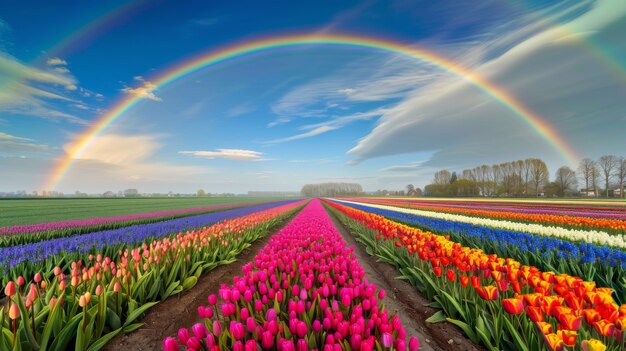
<point x="103" y="340"/>
<point x="26" y="323"/>
<point x="113" y="320"/>
<point x="132" y="327"/>
<point x="67" y="333"/>
<point x="519" y="343"/>
<point x="454" y="303"/>
<point x="465" y="327"/>
<point x="438" y="317"/>
<point x="190" y="282"/>
<point x="138" y="312"/>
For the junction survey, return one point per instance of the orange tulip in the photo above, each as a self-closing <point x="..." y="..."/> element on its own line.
<point x="534" y="313"/>
<point x="464" y="280"/>
<point x="14" y="311"/>
<point x="569" y="337"/>
<point x="513" y="306"/>
<point x="570" y="321"/>
<point x="604" y="327"/>
<point x="591" y="315"/>
<point x="554" y="341"/>
<point x="488" y="293"/>
<point x="545" y="327"/>
<point x="9" y="290"/>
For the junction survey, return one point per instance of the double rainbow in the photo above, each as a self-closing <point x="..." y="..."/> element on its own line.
<point x="265" y="45"/>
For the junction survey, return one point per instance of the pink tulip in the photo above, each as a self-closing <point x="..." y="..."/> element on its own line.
<point x="270" y="315"/>
<point x="267" y="340"/>
<point x="199" y="330"/>
<point x="301" y="345"/>
<point x="217" y="328"/>
<point x="386" y="339"/>
<point x="237" y="330"/>
<point x="194" y="343"/>
<point x="250" y="325"/>
<point x="183" y="335"/>
<point x="414" y="344"/>
<point x="301" y="329"/>
<point x="355" y="342"/>
<point x="238" y="346"/>
<point x="212" y="300"/>
<point x="201" y="313"/>
<point x="251" y="345"/>
<point x="170" y="344"/>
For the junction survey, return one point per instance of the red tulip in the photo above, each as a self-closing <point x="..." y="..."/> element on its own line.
<point x="569" y="321"/>
<point x="534" y="313"/>
<point x="513" y="306"/>
<point x="488" y="293"/>
<point x="451" y="275"/>
<point x="569" y="337"/>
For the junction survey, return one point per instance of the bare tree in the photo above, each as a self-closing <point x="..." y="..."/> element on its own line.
<point x="565" y="179"/>
<point x="621" y="175"/>
<point x="539" y="174"/>
<point x="410" y="189"/>
<point x="587" y="170"/>
<point x="607" y="164"/>
<point x="442" y="177"/>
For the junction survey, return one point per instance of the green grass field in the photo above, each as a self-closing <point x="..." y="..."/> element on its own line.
<point x="30" y="211"/>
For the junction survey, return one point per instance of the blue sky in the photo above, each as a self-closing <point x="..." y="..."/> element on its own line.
<point x="279" y="120"/>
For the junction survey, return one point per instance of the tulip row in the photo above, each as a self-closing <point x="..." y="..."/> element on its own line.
<point x="87" y="302"/>
<point x="496" y="301"/>
<point x="305" y="290"/>
<point x="23" y="234"/>
<point x="514" y="214"/>
<point x="588" y="236"/>
<point x="517" y="206"/>
<point x="33" y="257"/>
<point x="606" y="266"/>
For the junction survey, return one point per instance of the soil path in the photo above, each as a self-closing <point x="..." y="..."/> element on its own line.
<point x="404" y="299"/>
<point x="168" y="316"/>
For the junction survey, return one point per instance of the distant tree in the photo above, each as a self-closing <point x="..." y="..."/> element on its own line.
<point x="200" y="193"/>
<point x="131" y="193"/>
<point x="607" y="164"/>
<point x="410" y="188"/>
<point x="587" y="170"/>
<point x="566" y="181"/>
<point x="539" y="174"/>
<point x="331" y="189"/>
<point x="620" y="174"/>
<point x="453" y="178"/>
<point x="442" y="177"/>
<point x="419" y="192"/>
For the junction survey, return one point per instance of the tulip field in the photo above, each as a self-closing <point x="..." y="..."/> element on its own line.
<point x="509" y="275"/>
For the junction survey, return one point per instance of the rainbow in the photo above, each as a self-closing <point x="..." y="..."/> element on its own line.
<point x="257" y="46"/>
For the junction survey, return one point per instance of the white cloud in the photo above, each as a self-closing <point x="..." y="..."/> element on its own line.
<point x="31" y="90"/>
<point x="56" y="61"/>
<point x="310" y="133"/>
<point x="409" y="167"/>
<point x="228" y="154"/>
<point x="145" y="90"/>
<point x="580" y="95"/>
<point x="370" y="80"/>
<point x="11" y="144"/>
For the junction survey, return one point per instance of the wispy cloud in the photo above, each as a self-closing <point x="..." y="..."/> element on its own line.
<point x="409" y="167"/>
<point x="145" y="90"/>
<point x="229" y="154"/>
<point x="561" y="80"/>
<point x="240" y="110"/>
<point x="31" y="90"/>
<point x="56" y="61"/>
<point x="11" y="143"/>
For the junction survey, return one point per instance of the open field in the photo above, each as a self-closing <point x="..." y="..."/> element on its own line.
<point x="31" y="211"/>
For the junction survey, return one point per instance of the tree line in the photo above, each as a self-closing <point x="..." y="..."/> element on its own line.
<point x="531" y="178"/>
<point x="331" y="189"/>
